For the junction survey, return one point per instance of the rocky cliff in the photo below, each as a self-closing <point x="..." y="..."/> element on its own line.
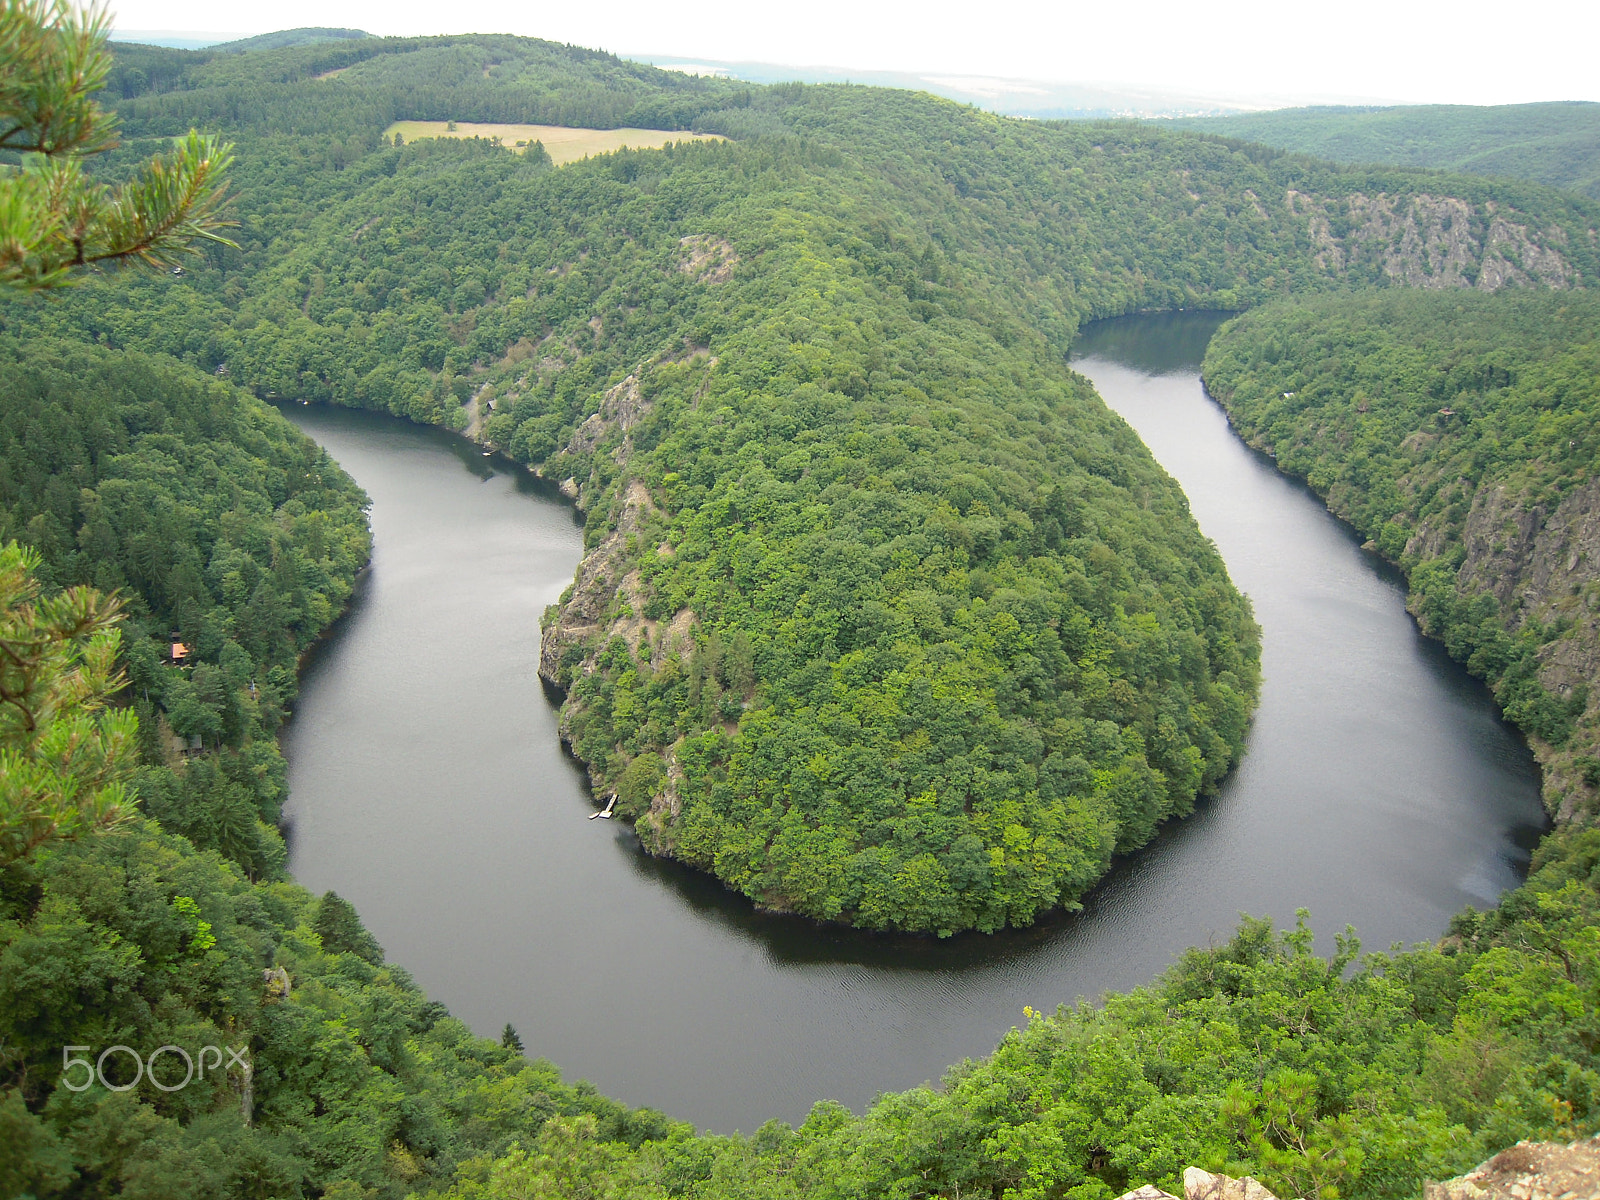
<point x="1431" y="241"/>
<point x="606" y="599"/>
<point x="1542" y="564"/>
<point x="1529" y="1171"/>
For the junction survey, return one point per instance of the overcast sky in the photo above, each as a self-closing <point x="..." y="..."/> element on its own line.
<point x="1468" y="52"/>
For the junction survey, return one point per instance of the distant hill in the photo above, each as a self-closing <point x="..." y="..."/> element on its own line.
<point x="232" y="43"/>
<point x="290" y="37"/>
<point x="1041" y="100"/>
<point x="1557" y="144"/>
<point x="170" y="39"/>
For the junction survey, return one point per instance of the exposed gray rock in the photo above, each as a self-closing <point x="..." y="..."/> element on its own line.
<point x="624" y="404"/>
<point x="1566" y="552"/>
<point x="1545" y="566"/>
<point x="1499" y="539"/>
<point x="603" y="576"/>
<point x="707" y="259"/>
<point x="587" y="436"/>
<point x="275" y="983"/>
<point x="1432" y="241"/>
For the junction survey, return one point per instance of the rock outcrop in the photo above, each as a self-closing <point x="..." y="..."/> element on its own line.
<point x="607" y="599"/>
<point x="707" y="259"/>
<point x="605" y="581"/>
<point x="1203" y="1185"/>
<point x="1544" y="565"/>
<point x="1431" y="241"/>
<point x="1529" y="1171"/>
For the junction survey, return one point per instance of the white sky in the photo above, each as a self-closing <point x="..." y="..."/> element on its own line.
<point x="1463" y="51"/>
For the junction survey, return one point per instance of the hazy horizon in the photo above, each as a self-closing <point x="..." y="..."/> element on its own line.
<point x="1403" y="53"/>
<point x="1001" y="94"/>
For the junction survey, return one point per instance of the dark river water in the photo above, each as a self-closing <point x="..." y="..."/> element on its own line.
<point x="428" y="787"/>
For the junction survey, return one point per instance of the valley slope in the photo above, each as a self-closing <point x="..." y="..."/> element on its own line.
<point x="1460" y="436"/>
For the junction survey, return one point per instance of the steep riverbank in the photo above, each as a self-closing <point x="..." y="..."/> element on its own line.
<point x="1459" y="434"/>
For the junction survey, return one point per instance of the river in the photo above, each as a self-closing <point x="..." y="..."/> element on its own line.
<point x="428" y="787"/>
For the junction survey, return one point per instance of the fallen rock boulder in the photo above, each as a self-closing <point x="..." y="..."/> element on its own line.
<point x="1203" y="1185"/>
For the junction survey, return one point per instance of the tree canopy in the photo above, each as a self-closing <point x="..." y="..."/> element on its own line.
<point x="854" y="476"/>
<point x="221" y="528"/>
<point x="62" y="751"/>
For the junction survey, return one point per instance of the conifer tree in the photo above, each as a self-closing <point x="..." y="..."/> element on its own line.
<point x="65" y="754"/>
<point x="54" y="218"/>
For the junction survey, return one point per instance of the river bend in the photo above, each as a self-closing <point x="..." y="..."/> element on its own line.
<point x="427" y="786"/>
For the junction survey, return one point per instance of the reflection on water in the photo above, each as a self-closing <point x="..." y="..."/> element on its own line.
<point x="428" y="787"/>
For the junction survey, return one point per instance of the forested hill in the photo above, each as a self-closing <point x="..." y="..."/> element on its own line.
<point x="1557" y="144"/>
<point x="1460" y="434"/>
<point x="810" y="388"/>
<point x="351" y="89"/>
<point x="288" y="37"/>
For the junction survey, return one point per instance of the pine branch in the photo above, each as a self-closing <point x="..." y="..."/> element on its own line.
<point x="55" y="59"/>
<point x="159" y="216"/>
<point x="53" y="217"/>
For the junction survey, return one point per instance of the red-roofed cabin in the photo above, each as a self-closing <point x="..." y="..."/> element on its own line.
<point x="180" y="653"/>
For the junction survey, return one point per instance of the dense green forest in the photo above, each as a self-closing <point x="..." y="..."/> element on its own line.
<point x="1354" y="1076"/>
<point x="354" y="88"/>
<point x="221" y="527"/>
<point x="1557" y="144"/>
<point x="1460" y="434"/>
<point x="360" y="1085"/>
<point x="810" y="389"/>
<point x="885" y="619"/>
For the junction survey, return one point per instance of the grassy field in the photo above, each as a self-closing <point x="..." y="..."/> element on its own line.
<point x="564" y="145"/>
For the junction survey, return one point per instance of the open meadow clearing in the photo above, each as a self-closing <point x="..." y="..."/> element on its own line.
<point x="564" y="145"/>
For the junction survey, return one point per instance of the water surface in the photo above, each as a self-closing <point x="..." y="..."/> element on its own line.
<point x="428" y="787"/>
